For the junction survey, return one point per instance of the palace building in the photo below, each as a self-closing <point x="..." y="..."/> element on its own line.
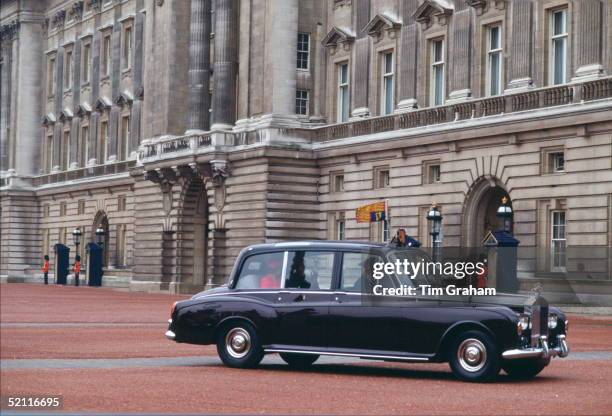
<point x="189" y="129"/>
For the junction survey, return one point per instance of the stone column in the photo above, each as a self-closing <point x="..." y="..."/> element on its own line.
<point x="460" y="56"/>
<point x="226" y="64"/>
<point x="58" y="128"/>
<point x="5" y="102"/>
<point x="521" y="14"/>
<point x="407" y="58"/>
<point x="361" y="65"/>
<point x="588" y="32"/>
<point x="136" y="133"/>
<point x="199" y="65"/>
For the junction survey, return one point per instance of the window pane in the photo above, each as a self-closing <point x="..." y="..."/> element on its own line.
<point x="345" y="108"/>
<point x="559" y="22"/>
<point x="261" y="271"/>
<point x="438" y="80"/>
<point x="343" y="74"/>
<point x="309" y="270"/>
<point x="357" y="270"/>
<point x="437" y="47"/>
<point x="494" y="75"/>
<point x="388" y="95"/>
<point x="559" y="60"/>
<point x="388" y="63"/>
<point x="494" y="38"/>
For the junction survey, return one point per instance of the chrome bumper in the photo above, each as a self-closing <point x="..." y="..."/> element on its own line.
<point x="170" y="335"/>
<point x="543" y="351"/>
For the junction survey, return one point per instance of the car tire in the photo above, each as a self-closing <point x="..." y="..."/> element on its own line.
<point x="525" y="369"/>
<point x="473" y="356"/>
<point x="299" y="360"/>
<point x="238" y="345"/>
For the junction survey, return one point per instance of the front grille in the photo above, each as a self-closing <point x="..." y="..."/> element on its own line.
<point x="537" y="307"/>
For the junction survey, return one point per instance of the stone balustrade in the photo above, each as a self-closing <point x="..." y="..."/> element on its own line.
<point x="81" y="173"/>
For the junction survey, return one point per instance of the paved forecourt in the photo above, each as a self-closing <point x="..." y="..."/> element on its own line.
<point x="104" y="350"/>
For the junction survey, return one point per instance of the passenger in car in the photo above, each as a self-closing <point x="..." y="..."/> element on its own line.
<point x="297" y="277"/>
<point x="272" y="279"/>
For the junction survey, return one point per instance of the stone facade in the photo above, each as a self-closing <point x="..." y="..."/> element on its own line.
<point x="188" y="129"/>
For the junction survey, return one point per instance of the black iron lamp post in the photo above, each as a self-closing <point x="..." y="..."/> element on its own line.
<point x="434" y="217"/>
<point x="505" y="214"/>
<point x="76" y="236"/>
<point x="100" y="236"/>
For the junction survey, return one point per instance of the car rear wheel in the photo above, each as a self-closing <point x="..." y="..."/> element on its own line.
<point x="238" y="346"/>
<point x="473" y="356"/>
<point x="525" y="369"/>
<point x="299" y="360"/>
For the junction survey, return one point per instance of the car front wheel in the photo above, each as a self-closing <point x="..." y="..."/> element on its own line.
<point x="525" y="369"/>
<point x="299" y="360"/>
<point x="474" y="356"/>
<point x="238" y="346"/>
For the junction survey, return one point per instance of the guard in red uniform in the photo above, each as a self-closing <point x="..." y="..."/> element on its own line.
<point x="45" y="269"/>
<point x="76" y="269"/>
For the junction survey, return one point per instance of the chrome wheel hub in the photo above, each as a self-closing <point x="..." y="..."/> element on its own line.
<point x="472" y="355"/>
<point x="238" y="342"/>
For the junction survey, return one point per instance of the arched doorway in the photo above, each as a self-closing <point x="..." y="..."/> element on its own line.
<point x="192" y="238"/>
<point x="101" y="221"/>
<point x="479" y="213"/>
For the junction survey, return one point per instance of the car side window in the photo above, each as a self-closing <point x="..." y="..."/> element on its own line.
<point x="309" y="270"/>
<point x="357" y="271"/>
<point x="261" y="271"/>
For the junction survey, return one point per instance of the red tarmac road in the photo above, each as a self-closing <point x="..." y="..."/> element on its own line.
<point x="43" y="323"/>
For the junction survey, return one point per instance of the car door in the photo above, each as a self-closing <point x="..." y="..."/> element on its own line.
<point x="362" y="321"/>
<point x="303" y="302"/>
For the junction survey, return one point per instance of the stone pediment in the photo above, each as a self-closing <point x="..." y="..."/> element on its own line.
<point x="48" y="119"/>
<point x="379" y="23"/>
<point x="66" y="115"/>
<point x="102" y="103"/>
<point x="337" y="36"/>
<point x="124" y="98"/>
<point x="430" y="9"/>
<point x="82" y="109"/>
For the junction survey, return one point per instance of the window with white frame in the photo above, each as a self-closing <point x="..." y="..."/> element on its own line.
<point x="387" y="96"/>
<point x="65" y="150"/>
<point x="104" y="140"/>
<point x="384" y="231"/>
<point x="125" y="137"/>
<point x="127" y="47"/>
<point x="342" y="110"/>
<point x="303" y="50"/>
<point x="340" y="227"/>
<point x="105" y="67"/>
<point x="557" y="162"/>
<point x="437" y="72"/>
<point x="68" y="70"/>
<point x="51" y="76"/>
<point x="301" y="102"/>
<point x="558" y="46"/>
<point x="83" y="146"/>
<point x="558" y="241"/>
<point x="85" y="63"/>
<point x="494" y="60"/>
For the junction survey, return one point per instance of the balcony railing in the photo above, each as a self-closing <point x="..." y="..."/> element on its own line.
<point x="504" y="104"/>
<point x="172" y="147"/>
<point x="81" y="173"/>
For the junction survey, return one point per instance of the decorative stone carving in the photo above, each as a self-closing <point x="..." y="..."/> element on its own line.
<point x="58" y="19"/>
<point x="95" y="5"/>
<point x="220" y="172"/>
<point x="102" y="104"/>
<point x="48" y="119"/>
<point x="9" y="31"/>
<point x="481" y="5"/>
<point x="430" y="9"/>
<point x="124" y="98"/>
<point x="75" y="12"/>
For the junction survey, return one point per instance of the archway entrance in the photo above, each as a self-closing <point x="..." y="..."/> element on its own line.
<point x="479" y="214"/>
<point x="101" y="221"/>
<point x="192" y="238"/>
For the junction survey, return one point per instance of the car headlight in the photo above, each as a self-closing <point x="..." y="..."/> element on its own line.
<point x="552" y="321"/>
<point x="523" y="324"/>
<point x="566" y="326"/>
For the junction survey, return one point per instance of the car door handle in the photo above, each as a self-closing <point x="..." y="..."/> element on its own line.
<point x="300" y="298"/>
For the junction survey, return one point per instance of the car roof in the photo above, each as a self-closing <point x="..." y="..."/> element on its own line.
<point x="318" y="244"/>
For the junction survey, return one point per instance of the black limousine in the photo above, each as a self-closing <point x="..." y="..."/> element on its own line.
<point x="306" y="299"/>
